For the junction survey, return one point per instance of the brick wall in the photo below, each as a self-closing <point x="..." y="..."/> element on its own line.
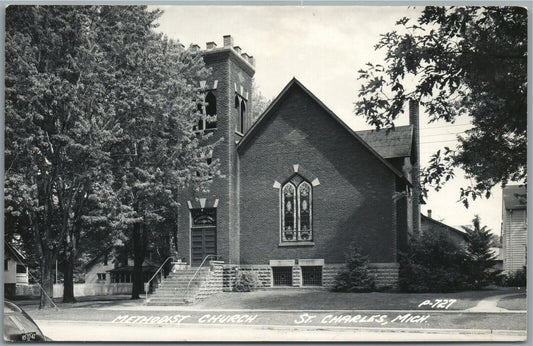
<point x="353" y="202"/>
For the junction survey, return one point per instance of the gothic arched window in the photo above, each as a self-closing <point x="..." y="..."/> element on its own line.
<point x="211" y="111"/>
<point x="241" y="120"/>
<point x="296" y="210"/>
<point x="208" y="113"/>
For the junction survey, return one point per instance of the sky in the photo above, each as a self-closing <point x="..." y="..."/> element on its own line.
<point x="324" y="47"/>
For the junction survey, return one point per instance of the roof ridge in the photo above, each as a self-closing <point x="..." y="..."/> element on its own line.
<point x="294" y="81"/>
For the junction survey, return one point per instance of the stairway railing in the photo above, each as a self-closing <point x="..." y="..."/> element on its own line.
<point x="159" y="271"/>
<point x="198" y="270"/>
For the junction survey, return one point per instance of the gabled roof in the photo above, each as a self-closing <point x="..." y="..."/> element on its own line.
<point x="294" y="83"/>
<point x="13" y="252"/>
<point x="515" y="197"/>
<point x="449" y="228"/>
<point x="390" y="143"/>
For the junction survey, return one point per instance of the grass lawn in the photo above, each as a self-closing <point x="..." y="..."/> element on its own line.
<point x="518" y="302"/>
<point x="297" y="299"/>
<point x="105" y="308"/>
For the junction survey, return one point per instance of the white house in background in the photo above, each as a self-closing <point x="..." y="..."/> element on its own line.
<point x="514" y="228"/>
<point x="15" y="270"/>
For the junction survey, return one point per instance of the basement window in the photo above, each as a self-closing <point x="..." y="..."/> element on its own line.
<point x="282" y="276"/>
<point x="312" y="275"/>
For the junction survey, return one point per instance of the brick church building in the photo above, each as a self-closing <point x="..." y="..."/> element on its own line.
<point x="299" y="185"/>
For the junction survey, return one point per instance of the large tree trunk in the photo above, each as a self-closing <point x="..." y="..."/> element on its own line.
<point x="139" y="251"/>
<point x="47" y="282"/>
<point x="68" y="270"/>
<point x="68" y="277"/>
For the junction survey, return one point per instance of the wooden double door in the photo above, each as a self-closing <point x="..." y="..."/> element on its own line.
<point x="203" y="234"/>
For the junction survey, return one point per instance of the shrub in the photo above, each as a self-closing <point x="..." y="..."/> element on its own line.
<point x="480" y="257"/>
<point x="355" y="277"/>
<point x="516" y="279"/>
<point x="245" y="281"/>
<point x="433" y="264"/>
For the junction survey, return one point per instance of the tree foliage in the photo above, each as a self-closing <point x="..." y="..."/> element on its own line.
<point x="462" y="60"/>
<point x="433" y="263"/>
<point x="259" y="102"/>
<point x="355" y="277"/>
<point x="55" y="128"/>
<point x="481" y="259"/>
<point x="100" y="112"/>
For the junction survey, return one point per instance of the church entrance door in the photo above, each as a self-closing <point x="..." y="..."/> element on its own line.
<point x="203" y="234"/>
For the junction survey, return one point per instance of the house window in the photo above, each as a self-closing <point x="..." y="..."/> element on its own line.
<point x="21" y="269"/>
<point x="101" y="276"/>
<point x="6" y="264"/>
<point x="296" y="210"/>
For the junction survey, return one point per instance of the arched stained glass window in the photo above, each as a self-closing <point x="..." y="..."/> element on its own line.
<point x="304" y="210"/>
<point x="289" y="214"/>
<point x="296" y="210"/>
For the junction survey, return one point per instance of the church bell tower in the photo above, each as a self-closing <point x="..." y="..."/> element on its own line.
<point x="208" y="223"/>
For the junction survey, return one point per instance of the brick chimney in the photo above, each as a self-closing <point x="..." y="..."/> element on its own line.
<point x="210" y="45"/>
<point x="228" y="41"/>
<point x="429" y="213"/>
<point x="414" y="120"/>
<point x="195" y="48"/>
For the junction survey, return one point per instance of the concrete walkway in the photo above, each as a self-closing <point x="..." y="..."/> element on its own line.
<point x="490" y="304"/>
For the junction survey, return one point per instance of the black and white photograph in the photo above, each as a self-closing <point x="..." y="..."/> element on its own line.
<point x="288" y="172"/>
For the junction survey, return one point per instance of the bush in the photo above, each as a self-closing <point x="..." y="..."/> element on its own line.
<point x="480" y="257"/>
<point x="355" y="277"/>
<point x="516" y="279"/>
<point x="433" y="264"/>
<point x="245" y="281"/>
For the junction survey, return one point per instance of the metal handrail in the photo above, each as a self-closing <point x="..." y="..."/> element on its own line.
<point x="198" y="270"/>
<point x="147" y="284"/>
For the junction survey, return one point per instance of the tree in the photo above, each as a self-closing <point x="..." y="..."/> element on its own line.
<point x="56" y="133"/>
<point x="158" y="150"/>
<point x="433" y="263"/>
<point x="259" y="102"/>
<point x="480" y="258"/>
<point x="355" y="277"/>
<point x="464" y="60"/>
<point x="99" y="127"/>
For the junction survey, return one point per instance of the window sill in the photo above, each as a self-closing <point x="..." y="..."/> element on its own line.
<point x="297" y="243"/>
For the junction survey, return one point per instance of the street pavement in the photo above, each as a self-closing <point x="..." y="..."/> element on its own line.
<point x="80" y="331"/>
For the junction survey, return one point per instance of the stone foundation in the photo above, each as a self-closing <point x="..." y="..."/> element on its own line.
<point x="385" y="275"/>
<point x="263" y="272"/>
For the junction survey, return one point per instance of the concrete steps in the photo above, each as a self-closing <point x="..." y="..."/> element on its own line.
<point x="176" y="290"/>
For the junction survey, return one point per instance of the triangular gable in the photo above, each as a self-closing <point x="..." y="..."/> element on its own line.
<point x="13" y="253"/>
<point x="295" y="83"/>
